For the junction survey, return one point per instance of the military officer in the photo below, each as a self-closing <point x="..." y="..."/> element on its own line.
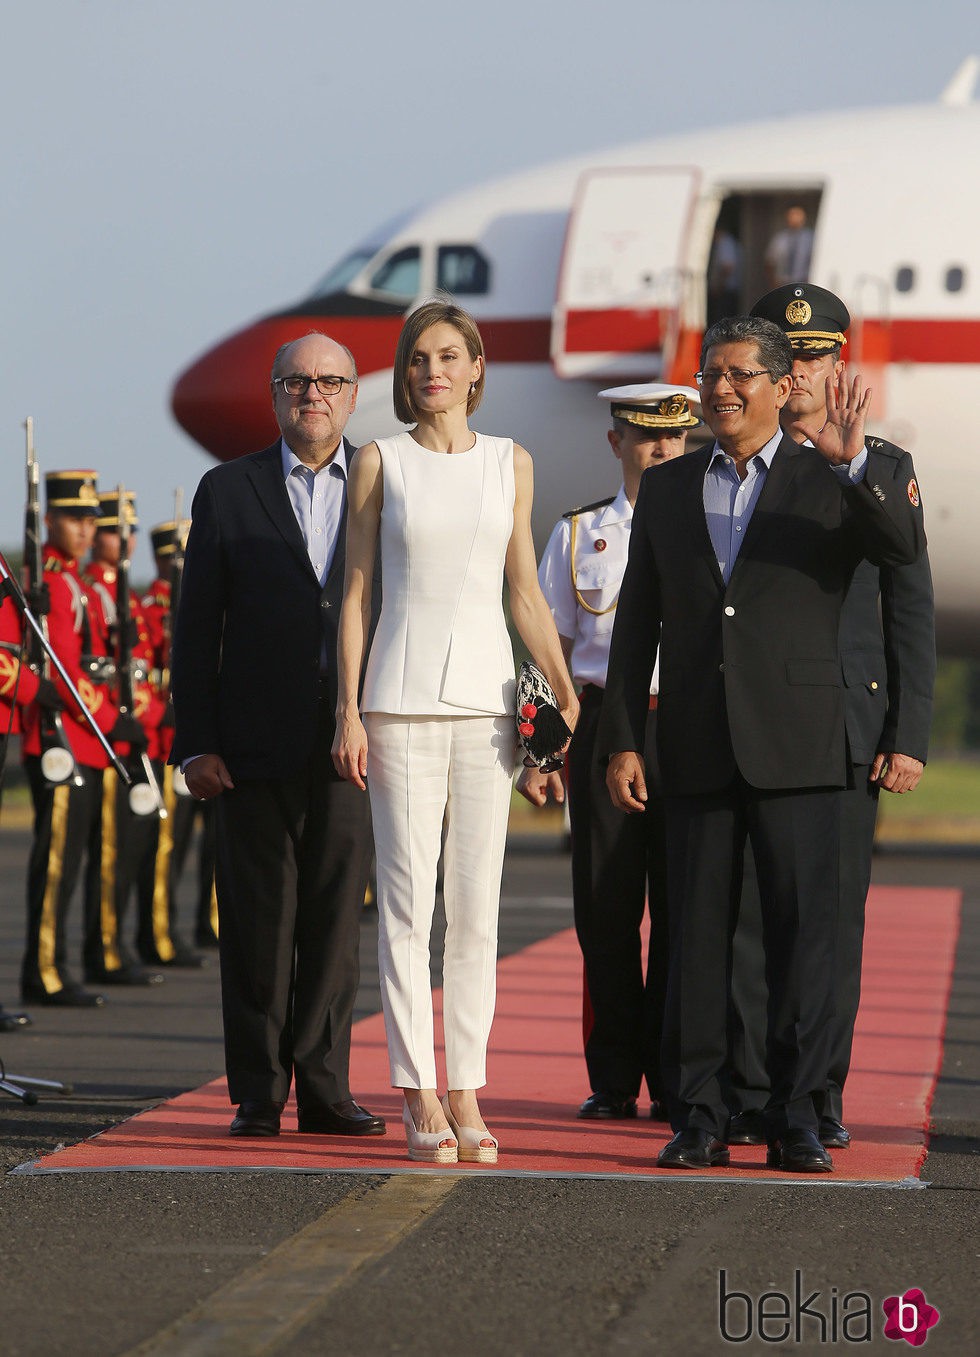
<point x="617" y="860"/>
<point x="888" y="669"/>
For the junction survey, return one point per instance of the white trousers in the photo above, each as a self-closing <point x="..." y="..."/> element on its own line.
<point x="423" y="772"/>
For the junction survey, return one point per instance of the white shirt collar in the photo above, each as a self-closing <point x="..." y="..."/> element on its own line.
<point x="619" y="511"/>
<point x="290" y="461"/>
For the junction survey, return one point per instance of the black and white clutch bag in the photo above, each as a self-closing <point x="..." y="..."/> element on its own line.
<point x="541" y="729"/>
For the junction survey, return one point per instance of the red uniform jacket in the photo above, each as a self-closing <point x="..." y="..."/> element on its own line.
<point x="18" y="682"/>
<point x="72" y="633"/>
<point x="155" y="607"/>
<point x="102" y="583"/>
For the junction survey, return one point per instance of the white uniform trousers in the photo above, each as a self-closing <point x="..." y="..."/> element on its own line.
<point x="423" y="771"/>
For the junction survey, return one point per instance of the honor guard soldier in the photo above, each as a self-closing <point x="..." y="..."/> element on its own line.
<point x="63" y="759"/>
<point x="617" y="860"/>
<point x="888" y="667"/>
<point x="121" y="839"/>
<point x="183" y="812"/>
<point x="19" y="687"/>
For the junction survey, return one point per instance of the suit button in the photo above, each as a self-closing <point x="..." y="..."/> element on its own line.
<point x="324" y="603"/>
<point x="729" y="611"/>
<point x="874" y="686"/>
<point x="721" y="669"/>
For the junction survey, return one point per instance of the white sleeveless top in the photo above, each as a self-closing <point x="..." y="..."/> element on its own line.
<point x="441" y="647"/>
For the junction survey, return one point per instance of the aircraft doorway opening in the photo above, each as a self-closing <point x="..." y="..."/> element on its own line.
<point x="750" y="252"/>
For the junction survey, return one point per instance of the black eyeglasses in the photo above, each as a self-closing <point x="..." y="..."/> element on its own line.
<point x="297" y="384"/>
<point x="736" y="376"/>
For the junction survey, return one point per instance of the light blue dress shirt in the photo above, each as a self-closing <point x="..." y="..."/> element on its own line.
<point x="729" y="501"/>
<point x="317" y="498"/>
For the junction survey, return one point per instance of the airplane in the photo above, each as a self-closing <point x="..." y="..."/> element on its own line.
<point x="591" y="271"/>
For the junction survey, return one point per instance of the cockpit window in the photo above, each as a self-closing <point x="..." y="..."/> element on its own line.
<point x="400" y="274"/>
<point x="341" y="274"/>
<point x="463" y="270"/>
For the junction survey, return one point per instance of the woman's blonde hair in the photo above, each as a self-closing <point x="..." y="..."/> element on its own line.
<point x="436" y="312"/>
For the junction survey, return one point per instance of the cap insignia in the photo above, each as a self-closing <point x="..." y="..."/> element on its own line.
<point x="798" y="312"/>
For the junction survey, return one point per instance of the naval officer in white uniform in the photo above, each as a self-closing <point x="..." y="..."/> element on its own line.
<point x="617" y="859"/>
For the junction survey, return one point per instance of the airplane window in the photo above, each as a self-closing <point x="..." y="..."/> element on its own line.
<point x="341" y="274"/>
<point x="904" y="279"/>
<point x="955" y="278"/>
<point x="463" y="270"/>
<point x="400" y="273"/>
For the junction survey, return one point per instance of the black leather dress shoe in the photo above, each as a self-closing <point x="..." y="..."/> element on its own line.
<point x="608" y="1107"/>
<point x="693" y="1149"/>
<point x="747" y="1128"/>
<point x="69" y="996"/>
<point x="798" y="1152"/>
<point x="833" y="1135"/>
<point x="124" y="975"/>
<point x="13" y="1022"/>
<point x="339" y="1119"/>
<point x="184" y="959"/>
<point x="255" y="1118"/>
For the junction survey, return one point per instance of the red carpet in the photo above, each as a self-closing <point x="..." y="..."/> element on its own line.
<point x="537" y="1079"/>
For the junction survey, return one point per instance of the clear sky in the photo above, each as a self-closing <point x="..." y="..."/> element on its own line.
<point x="171" y="171"/>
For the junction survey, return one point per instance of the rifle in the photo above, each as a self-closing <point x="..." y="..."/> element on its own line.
<point x="176" y="576"/>
<point x="57" y="760"/>
<point x="144" y="793"/>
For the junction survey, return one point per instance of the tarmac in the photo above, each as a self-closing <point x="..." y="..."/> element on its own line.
<point x="297" y="1263"/>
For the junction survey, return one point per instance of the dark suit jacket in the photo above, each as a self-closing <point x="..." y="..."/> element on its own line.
<point x="750" y="673"/>
<point x="888" y="663"/>
<point x="251" y="622"/>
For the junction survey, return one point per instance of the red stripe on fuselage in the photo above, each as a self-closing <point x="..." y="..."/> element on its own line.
<point x="895" y="341"/>
<point x="613" y="331"/>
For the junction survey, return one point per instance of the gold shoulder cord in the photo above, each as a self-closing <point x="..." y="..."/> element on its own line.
<point x="596" y="612"/>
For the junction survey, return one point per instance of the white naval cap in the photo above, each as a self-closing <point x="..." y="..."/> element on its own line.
<point x="655" y="405"/>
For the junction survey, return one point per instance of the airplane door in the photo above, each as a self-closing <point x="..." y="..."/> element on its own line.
<point x="623" y="279"/>
<point x="869" y="347"/>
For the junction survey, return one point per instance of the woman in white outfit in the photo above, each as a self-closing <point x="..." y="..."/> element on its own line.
<point x="451" y="510"/>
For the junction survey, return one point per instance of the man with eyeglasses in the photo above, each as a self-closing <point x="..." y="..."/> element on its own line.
<point x="888" y="667"/>
<point x="254" y="683"/>
<point x="740" y="556"/>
